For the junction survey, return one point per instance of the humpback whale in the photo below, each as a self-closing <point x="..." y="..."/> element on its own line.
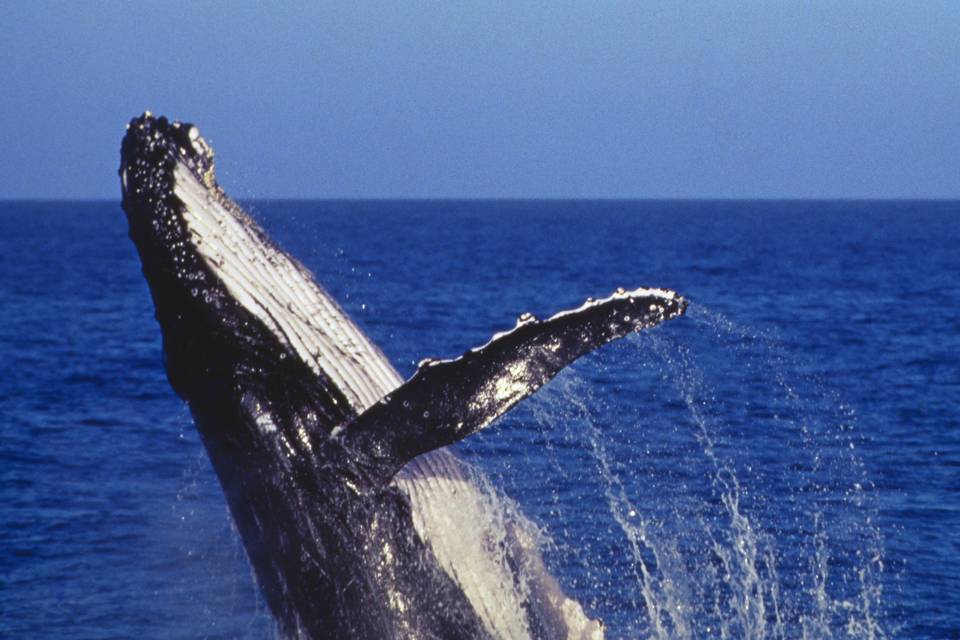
<point x="357" y="519"/>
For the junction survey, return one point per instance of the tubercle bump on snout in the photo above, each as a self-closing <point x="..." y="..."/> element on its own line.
<point x="153" y="146"/>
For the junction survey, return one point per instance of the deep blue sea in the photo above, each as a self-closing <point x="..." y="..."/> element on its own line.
<point x="783" y="462"/>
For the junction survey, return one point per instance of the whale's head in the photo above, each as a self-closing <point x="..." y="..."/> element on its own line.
<point x="157" y="159"/>
<point x="225" y="295"/>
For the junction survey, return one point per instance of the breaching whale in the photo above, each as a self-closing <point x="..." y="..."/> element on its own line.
<point x="357" y="520"/>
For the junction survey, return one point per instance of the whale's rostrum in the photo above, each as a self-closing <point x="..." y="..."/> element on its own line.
<point x="357" y="520"/>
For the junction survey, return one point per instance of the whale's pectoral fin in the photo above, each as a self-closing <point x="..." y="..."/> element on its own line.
<point x="447" y="400"/>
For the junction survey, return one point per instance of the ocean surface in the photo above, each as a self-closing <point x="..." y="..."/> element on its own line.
<point x="784" y="462"/>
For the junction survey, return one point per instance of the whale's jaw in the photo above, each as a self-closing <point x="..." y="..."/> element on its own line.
<point x="337" y="481"/>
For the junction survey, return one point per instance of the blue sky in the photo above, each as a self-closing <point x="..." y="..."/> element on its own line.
<point x="461" y="99"/>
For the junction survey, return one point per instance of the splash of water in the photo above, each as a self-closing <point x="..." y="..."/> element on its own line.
<point x="739" y="505"/>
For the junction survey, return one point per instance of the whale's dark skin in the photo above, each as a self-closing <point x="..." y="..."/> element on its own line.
<point x="307" y="476"/>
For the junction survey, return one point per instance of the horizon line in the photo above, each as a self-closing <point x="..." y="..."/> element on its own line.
<point x="427" y="199"/>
